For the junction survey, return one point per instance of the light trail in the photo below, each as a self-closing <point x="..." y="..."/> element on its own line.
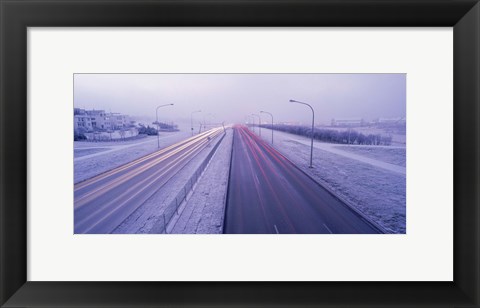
<point x="134" y="172"/>
<point x="267" y="193"/>
<point x="102" y="176"/>
<point x="105" y="201"/>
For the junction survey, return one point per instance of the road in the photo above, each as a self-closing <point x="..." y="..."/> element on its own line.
<point x="268" y="194"/>
<point x="105" y="201"/>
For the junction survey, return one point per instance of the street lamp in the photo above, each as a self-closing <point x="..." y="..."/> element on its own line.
<point x="259" y="128"/>
<point x="251" y="125"/>
<point x="313" y="121"/>
<point x="158" y="124"/>
<point x="246" y="121"/>
<point x="272" y="121"/>
<point x="191" y="119"/>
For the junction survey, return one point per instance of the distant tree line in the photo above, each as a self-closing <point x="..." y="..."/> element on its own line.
<point x="77" y="136"/>
<point x="168" y="127"/>
<point x="349" y="136"/>
<point x="147" y="130"/>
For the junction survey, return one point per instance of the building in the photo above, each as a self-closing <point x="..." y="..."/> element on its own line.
<point x="81" y="121"/>
<point x="398" y="120"/>
<point x="99" y="120"/>
<point x="348" y="122"/>
<point x="118" y="120"/>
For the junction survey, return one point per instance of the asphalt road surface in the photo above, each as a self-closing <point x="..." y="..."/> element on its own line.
<point x="268" y="194"/>
<point x="105" y="201"/>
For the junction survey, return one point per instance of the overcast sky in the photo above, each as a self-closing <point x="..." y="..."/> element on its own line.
<point x="231" y="97"/>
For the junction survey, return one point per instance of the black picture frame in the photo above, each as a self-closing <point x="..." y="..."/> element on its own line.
<point x="17" y="15"/>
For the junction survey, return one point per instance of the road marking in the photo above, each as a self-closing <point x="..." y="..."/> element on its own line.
<point x="328" y="229"/>
<point x="256" y="178"/>
<point x="276" y="230"/>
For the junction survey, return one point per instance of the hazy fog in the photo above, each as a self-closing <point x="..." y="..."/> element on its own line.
<point x="230" y="97"/>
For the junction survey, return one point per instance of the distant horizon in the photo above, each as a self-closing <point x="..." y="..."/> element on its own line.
<point x="146" y="119"/>
<point x="230" y="98"/>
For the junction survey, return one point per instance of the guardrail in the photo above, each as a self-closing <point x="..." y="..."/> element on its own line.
<point x="172" y="208"/>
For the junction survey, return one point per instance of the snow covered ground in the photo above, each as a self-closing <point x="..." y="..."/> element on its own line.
<point x="88" y="151"/>
<point x="397" y="133"/>
<point x="148" y="218"/>
<point x="204" y="210"/>
<point x="392" y="155"/>
<point x="370" y="178"/>
<point x="93" y="158"/>
<point x="343" y="151"/>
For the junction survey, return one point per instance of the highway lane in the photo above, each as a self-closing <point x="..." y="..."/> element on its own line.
<point x="268" y="194"/>
<point x="105" y="201"/>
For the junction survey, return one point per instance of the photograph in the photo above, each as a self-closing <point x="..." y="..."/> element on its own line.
<point x="259" y="153"/>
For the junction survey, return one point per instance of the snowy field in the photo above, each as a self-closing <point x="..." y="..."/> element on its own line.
<point x="93" y="158"/>
<point x="88" y="151"/>
<point x="149" y="215"/>
<point x="204" y="210"/>
<point x="392" y="155"/>
<point x="370" y="178"/>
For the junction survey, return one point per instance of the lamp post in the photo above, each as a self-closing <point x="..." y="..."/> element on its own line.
<point x="158" y="124"/>
<point x="252" y="125"/>
<point x="313" y="121"/>
<point x="191" y="119"/>
<point x="259" y="128"/>
<point x="272" y="121"/>
<point x="253" y="122"/>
